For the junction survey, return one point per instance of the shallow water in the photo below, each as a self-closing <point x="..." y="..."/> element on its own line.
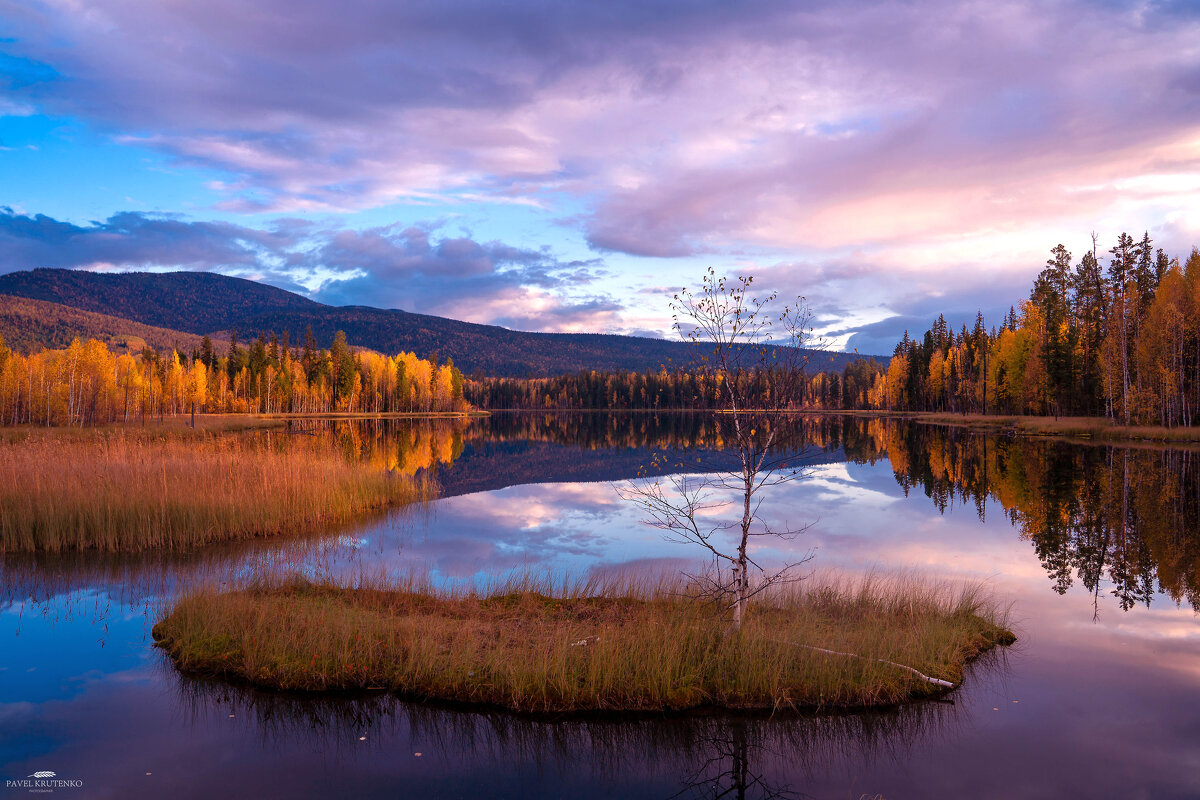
<point x="1096" y="547"/>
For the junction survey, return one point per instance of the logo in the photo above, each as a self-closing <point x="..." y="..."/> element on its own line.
<point x="44" y="781"/>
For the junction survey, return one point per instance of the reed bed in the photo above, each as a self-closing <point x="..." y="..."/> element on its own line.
<point x="604" y="645"/>
<point x="131" y="491"/>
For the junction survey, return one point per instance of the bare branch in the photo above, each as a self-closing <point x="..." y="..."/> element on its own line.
<point x="756" y="366"/>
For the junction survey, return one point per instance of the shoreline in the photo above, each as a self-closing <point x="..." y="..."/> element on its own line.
<point x="1082" y="429"/>
<point x="1073" y="428"/>
<point x="231" y="423"/>
<point x="473" y="413"/>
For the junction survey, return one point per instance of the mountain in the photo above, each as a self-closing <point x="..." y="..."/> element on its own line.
<point x="28" y="325"/>
<point x="195" y="302"/>
<point x="206" y="302"/>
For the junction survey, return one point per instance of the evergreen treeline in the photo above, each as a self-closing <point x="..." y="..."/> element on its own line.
<point x="87" y="384"/>
<point x="1123" y="342"/>
<point x="662" y="389"/>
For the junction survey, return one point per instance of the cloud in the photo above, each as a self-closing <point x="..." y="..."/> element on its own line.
<point x="886" y="160"/>
<point x="410" y="267"/>
<point x="864" y="301"/>
<point x="459" y="277"/>
<point x="130" y="240"/>
<point x="684" y="127"/>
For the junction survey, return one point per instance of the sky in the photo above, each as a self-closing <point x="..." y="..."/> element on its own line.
<point x="562" y="166"/>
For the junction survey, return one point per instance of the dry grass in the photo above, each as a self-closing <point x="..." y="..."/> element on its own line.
<point x="176" y="426"/>
<point x="648" y="647"/>
<point x="129" y="491"/>
<point x="1101" y="428"/>
<point x="1079" y="427"/>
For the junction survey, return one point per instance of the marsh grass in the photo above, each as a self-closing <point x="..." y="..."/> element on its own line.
<point x="1099" y="428"/>
<point x="1096" y="428"/>
<point x="131" y="491"/>
<point x="614" y="644"/>
<point x="178" y="426"/>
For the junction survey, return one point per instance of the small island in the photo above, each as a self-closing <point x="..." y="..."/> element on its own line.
<point x="617" y="646"/>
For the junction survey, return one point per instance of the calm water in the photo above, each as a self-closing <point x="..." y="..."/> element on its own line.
<point x="1098" y="548"/>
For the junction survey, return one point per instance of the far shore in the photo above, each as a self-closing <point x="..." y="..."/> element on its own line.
<point x="473" y="412"/>
<point x="1094" y="428"/>
<point x="1099" y="428"/>
<point x="1079" y="428"/>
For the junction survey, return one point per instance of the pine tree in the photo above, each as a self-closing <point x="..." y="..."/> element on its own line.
<point x="207" y="354"/>
<point x="236" y="358"/>
<point x="1056" y="339"/>
<point x="1144" y="274"/>
<point x="1088" y="310"/>
<point x="310" y="356"/>
<point x="1121" y="277"/>
<point x="343" y="368"/>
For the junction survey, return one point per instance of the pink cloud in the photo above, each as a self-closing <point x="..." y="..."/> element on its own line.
<point x="941" y="146"/>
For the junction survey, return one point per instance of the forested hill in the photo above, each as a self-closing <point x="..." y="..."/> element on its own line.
<point x="195" y="302"/>
<point x="208" y="303"/>
<point x="31" y="325"/>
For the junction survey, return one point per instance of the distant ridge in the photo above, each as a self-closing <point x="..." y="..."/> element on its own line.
<point x="195" y="302"/>
<point x="205" y="302"/>
<point x="31" y="325"/>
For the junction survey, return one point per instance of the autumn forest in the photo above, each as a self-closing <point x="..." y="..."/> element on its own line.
<point x="1121" y="342"/>
<point x="87" y="384"/>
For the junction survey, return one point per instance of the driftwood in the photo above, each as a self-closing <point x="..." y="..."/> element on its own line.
<point x="936" y="681"/>
<point x="919" y="674"/>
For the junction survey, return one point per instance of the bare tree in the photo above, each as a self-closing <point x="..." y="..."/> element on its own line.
<point x="756" y="367"/>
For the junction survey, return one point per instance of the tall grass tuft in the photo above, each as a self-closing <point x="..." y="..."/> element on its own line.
<point x="123" y="491"/>
<point x="611" y="644"/>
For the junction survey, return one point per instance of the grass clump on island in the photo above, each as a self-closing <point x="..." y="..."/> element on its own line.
<point x="617" y="645"/>
<point x="124" y="490"/>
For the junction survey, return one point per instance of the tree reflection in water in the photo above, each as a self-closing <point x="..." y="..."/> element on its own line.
<point x="697" y="756"/>
<point x="1125" y="520"/>
<point x="1112" y="519"/>
<point x="1128" y="517"/>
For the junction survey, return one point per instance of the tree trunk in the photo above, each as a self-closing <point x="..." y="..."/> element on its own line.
<point x="741" y="571"/>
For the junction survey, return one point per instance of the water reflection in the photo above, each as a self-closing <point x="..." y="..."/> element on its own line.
<point x="1123" y="520"/>
<point x="401" y="446"/>
<point x="1125" y="516"/>
<point x="508" y="449"/>
<point x="694" y="756"/>
<point x="83" y="692"/>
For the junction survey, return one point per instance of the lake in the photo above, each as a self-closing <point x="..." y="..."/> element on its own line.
<point x="1097" y="548"/>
